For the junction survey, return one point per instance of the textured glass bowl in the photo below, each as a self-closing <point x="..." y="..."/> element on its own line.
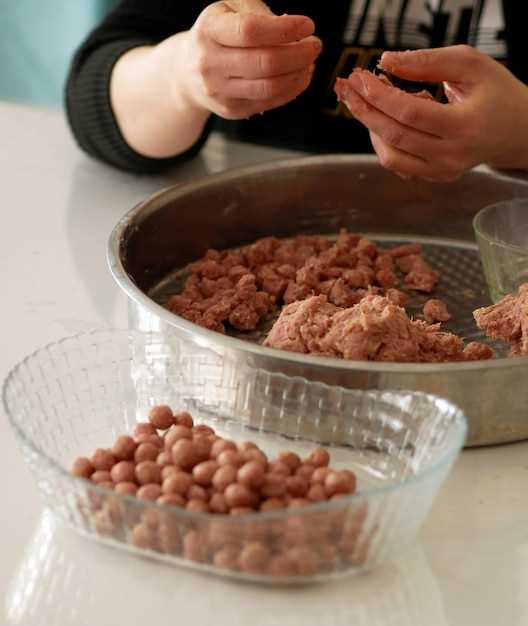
<point x="81" y="393"/>
<point x="501" y="231"/>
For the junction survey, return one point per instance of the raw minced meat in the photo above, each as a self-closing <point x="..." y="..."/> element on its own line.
<point x="375" y="329"/>
<point x="476" y="351"/>
<point x="419" y="275"/>
<point x="238" y="288"/>
<point x="344" y="89"/>
<point x="435" y="310"/>
<point x="358" y="283"/>
<point x="397" y="297"/>
<point x="507" y="320"/>
<point x="238" y="303"/>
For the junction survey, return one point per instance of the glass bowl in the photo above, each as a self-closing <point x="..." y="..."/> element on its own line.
<point x="501" y="231"/>
<point x="80" y="393"/>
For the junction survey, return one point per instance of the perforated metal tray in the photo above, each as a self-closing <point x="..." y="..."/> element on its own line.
<point x="320" y="195"/>
<point x="461" y="286"/>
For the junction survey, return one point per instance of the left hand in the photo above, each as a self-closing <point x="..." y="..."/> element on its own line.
<point x="485" y="120"/>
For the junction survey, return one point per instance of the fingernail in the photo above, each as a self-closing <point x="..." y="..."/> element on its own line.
<point x="352" y="101"/>
<point x="306" y="29"/>
<point x="318" y="45"/>
<point x="389" y="59"/>
<point x="358" y="83"/>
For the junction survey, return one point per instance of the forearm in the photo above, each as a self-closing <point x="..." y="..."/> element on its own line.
<point x="149" y="99"/>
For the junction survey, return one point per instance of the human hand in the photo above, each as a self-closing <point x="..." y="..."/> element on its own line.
<point x="485" y="120"/>
<point x="241" y="59"/>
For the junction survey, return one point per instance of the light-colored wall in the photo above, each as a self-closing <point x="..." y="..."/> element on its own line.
<point x="37" y="40"/>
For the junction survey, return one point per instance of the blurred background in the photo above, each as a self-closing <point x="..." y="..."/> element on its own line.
<point x="37" y="40"/>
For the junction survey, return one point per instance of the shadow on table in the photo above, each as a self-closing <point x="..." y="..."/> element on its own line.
<point x="66" y="580"/>
<point x="100" y="195"/>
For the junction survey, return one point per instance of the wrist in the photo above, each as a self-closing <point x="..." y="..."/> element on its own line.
<point x="171" y="58"/>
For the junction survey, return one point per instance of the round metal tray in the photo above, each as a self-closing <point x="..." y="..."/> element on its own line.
<point x="320" y="195"/>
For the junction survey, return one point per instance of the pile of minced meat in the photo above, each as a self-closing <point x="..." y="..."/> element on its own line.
<point x="339" y="298"/>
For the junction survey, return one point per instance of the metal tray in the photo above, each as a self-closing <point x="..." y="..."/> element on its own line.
<point x="151" y="244"/>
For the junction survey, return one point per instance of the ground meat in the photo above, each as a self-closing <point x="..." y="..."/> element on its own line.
<point x="397" y="297"/>
<point x="436" y="346"/>
<point x="507" y="320"/>
<point x="242" y="305"/>
<point x="375" y="329"/>
<point x="280" y="272"/>
<point x="420" y="276"/>
<point x="436" y="311"/>
<point x="341" y="300"/>
<point x="405" y="250"/>
<point x="419" y="94"/>
<point x="407" y="262"/>
<point x="302" y="325"/>
<point x="293" y="252"/>
<point x="422" y="280"/>
<point x="342" y="87"/>
<point x="260" y="252"/>
<point x="271" y="281"/>
<point x="387" y="279"/>
<point x="343" y="271"/>
<point x="341" y="294"/>
<point x="476" y="351"/>
<point x="296" y="292"/>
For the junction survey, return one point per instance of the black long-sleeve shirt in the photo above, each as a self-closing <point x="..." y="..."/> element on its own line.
<point x="352" y="36"/>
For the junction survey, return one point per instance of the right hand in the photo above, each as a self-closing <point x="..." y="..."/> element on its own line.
<point x="241" y="59"/>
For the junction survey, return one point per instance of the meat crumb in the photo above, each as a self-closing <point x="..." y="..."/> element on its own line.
<point x="477" y="351"/>
<point x="397" y="297"/>
<point x="435" y="310"/>
<point x="507" y="320"/>
<point x="420" y="276"/>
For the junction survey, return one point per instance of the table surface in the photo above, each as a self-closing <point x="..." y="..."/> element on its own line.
<point x="469" y="567"/>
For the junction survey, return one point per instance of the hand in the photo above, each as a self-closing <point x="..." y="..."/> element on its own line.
<point x="485" y="120"/>
<point x="241" y="59"/>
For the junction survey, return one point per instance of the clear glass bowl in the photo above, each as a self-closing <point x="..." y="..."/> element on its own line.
<point x="73" y="396"/>
<point x="501" y="231"/>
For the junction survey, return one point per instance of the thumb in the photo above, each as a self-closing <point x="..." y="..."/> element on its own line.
<point x="453" y="63"/>
<point x="256" y="7"/>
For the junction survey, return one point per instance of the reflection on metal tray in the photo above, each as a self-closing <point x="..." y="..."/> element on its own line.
<point x="321" y="195"/>
<point x="462" y="287"/>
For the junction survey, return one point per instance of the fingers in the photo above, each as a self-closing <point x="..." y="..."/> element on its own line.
<point x="405" y="165"/>
<point x="453" y="63"/>
<point x="425" y="115"/>
<point x="269" y="88"/>
<point x="390" y="130"/>
<point x="247" y="63"/>
<point x="249" y="30"/>
<point x="269" y="61"/>
<point x="408" y="166"/>
<point x="239" y="108"/>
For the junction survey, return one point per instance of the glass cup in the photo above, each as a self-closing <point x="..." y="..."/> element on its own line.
<point x="502" y="236"/>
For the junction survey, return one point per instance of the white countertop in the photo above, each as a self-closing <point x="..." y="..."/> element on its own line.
<point x="470" y="567"/>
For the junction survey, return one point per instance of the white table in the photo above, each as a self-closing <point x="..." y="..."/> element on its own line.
<point x="58" y="207"/>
